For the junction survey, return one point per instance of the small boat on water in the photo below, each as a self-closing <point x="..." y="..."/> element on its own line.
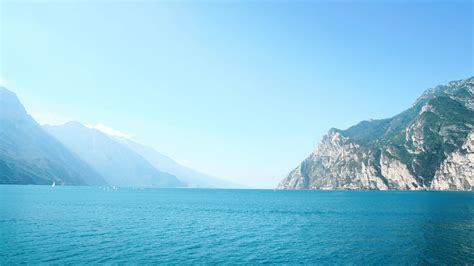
<point x="54" y="184"/>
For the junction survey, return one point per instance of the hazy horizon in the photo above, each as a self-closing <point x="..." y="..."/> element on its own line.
<point x="241" y="91"/>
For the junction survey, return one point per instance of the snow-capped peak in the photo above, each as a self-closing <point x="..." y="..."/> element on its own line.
<point x="109" y="131"/>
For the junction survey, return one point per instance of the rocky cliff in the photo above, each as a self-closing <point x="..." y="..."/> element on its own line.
<point x="428" y="146"/>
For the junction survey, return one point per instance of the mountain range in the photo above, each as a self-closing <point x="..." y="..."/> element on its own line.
<point x="190" y="177"/>
<point x="29" y="155"/>
<point x="73" y="154"/>
<point x="430" y="146"/>
<point x="118" y="165"/>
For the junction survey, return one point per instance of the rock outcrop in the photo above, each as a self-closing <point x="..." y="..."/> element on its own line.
<point x="457" y="171"/>
<point x="429" y="146"/>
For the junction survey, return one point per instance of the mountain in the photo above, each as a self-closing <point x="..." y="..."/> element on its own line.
<point x="189" y="176"/>
<point x="29" y="155"/>
<point x="119" y="165"/>
<point x="429" y="146"/>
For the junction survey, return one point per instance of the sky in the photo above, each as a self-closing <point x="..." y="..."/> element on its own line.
<point x="241" y="90"/>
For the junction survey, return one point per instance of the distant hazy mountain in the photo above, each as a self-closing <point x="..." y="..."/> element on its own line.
<point x="189" y="176"/>
<point x="119" y="165"/>
<point x="29" y="155"/>
<point x="429" y="146"/>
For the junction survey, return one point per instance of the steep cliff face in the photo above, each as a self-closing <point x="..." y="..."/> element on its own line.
<point x="429" y="146"/>
<point x="457" y="170"/>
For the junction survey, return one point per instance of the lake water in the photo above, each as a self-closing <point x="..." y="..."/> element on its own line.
<point x="41" y="224"/>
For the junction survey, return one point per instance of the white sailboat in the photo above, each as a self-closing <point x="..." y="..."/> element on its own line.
<point x="54" y="184"/>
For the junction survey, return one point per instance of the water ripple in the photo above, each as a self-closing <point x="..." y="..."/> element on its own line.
<point x="181" y="226"/>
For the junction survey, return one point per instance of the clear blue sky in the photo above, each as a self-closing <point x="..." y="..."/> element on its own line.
<point x="242" y="90"/>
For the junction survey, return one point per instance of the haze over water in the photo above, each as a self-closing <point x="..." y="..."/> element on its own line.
<point x="41" y="224"/>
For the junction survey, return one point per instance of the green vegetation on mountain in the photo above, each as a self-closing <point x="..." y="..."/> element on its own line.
<point x="416" y="142"/>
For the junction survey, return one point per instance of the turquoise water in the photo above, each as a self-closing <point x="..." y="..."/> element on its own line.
<point x="40" y="224"/>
